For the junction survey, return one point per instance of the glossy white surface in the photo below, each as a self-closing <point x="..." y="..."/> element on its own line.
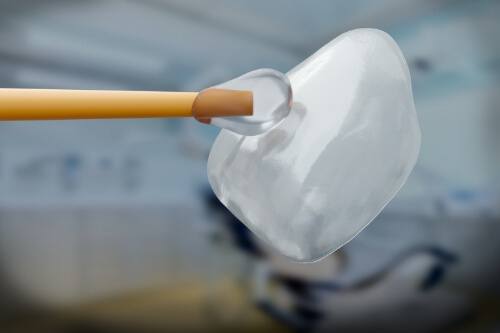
<point x="317" y="179"/>
<point x="272" y="100"/>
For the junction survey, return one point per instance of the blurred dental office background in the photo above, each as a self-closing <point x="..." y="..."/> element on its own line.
<point x="110" y="226"/>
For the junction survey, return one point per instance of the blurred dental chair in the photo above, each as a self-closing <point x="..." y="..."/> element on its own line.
<point x="404" y="284"/>
<point x="407" y="287"/>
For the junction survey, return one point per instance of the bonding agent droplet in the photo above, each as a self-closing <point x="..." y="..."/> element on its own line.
<point x="272" y="99"/>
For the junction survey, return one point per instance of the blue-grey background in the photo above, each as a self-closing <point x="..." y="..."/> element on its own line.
<point x="110" y="225"/>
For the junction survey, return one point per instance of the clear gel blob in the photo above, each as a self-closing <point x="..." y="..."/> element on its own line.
<point x="314" y="181"/>
<point x="272" y="99"/>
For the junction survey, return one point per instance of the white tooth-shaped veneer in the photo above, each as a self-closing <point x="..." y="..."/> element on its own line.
<point x="314" y="181"/>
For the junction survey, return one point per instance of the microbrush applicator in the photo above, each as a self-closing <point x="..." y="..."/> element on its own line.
<point x="248" y="105"/>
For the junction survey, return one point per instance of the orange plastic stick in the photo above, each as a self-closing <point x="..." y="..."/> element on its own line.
<point x="47" y="104"/>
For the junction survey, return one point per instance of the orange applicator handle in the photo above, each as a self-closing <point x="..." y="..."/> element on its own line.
<point x="53" y="104"/>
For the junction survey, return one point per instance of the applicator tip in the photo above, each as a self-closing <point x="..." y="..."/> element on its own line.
<point x="214" y="102"/>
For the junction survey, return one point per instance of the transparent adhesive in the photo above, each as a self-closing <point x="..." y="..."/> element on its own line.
<point x="272" y="98"/>
<point x="315" y="180"/>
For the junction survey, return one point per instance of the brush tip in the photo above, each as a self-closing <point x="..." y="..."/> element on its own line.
<point x="214" y="102"/>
